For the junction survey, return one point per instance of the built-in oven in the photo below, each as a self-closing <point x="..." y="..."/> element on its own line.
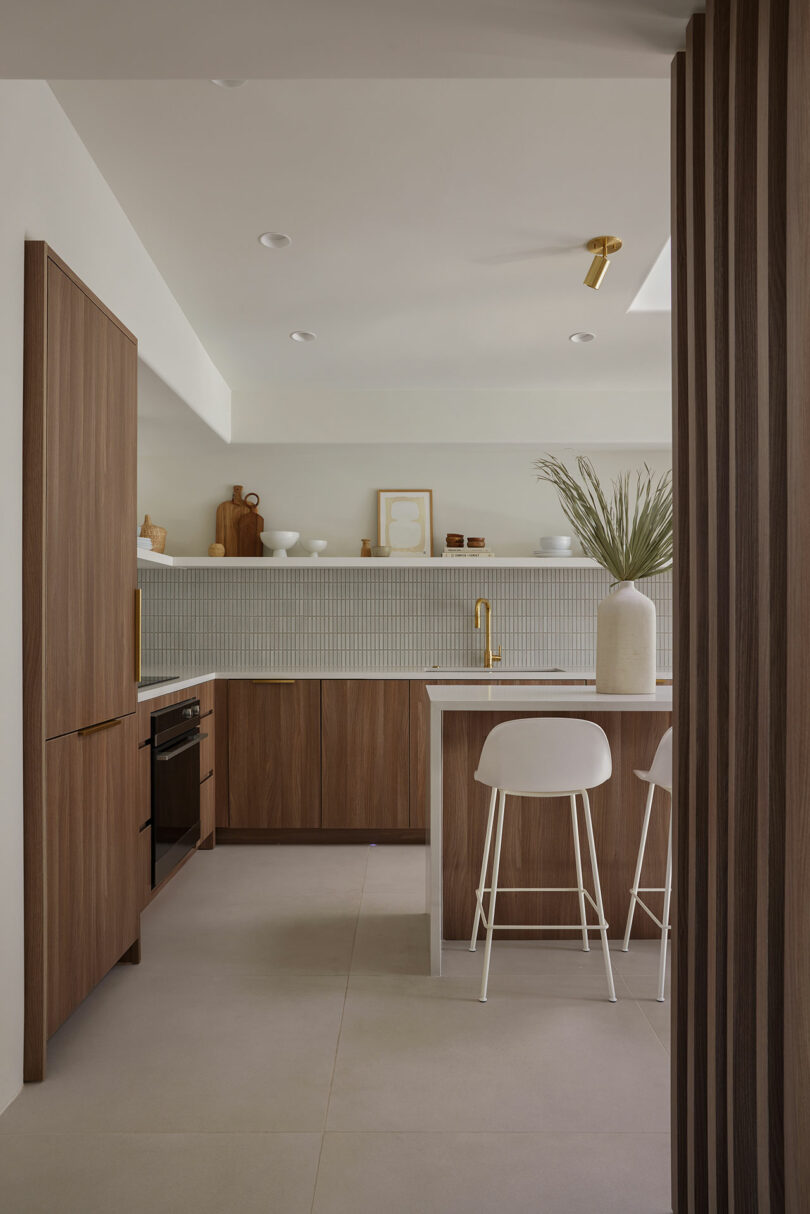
<point x="176" y="742"/>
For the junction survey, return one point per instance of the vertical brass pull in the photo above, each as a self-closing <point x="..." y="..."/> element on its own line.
<point x="138" y="597"/>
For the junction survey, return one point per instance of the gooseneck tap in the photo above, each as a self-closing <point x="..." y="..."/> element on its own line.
<point x="489" y="656"/>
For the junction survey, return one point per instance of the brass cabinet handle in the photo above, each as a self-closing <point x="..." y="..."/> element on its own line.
<point x="138" y="597"/>
<point x="272" y="680"/>
<point x="98" y="728"/>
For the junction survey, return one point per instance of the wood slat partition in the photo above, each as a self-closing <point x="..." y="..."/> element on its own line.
<point x="741" y="398"/>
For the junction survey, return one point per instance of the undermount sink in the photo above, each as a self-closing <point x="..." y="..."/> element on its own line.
<point x="483" y="670"/>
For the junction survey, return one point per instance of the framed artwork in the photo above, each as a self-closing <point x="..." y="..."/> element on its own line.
<point x="405" y="521"/>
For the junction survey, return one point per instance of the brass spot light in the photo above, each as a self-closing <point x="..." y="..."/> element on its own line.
<point x="601" y="246"/>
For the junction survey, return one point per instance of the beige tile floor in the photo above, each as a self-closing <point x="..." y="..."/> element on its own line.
<point x="281" y="1048"/>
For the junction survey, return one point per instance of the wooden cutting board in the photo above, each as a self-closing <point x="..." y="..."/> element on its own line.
<point x="239" y="524"/>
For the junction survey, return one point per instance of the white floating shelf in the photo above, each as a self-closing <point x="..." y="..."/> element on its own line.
<point x="149" y="560"/>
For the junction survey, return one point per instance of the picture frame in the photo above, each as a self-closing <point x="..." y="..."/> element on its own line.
<point x="405" y="521"/>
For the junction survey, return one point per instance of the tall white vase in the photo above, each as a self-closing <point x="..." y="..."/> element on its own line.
<point x="625" y="642"/>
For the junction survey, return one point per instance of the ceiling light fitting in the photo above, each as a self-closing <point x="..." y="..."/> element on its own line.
<point x="275" y="240"/>
<point x="581" y="337"/>
<point x="302" y="335"/>
<point x="228" y="84"/>
<point x="601" y="246"/>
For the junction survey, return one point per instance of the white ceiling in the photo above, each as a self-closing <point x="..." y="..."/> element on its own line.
<point x="437" y="225"/>
<point x="197" y="39"/>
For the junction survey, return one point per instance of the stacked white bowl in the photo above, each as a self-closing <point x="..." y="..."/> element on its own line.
<point x="554" y="545"/>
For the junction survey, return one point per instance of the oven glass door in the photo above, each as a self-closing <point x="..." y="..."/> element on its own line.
<point x="175" y="802"/>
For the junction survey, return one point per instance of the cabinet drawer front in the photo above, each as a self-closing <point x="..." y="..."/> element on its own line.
<point x="205" y="694"/>
<point x="365" y="753"/>
<point x="274" y="757"/>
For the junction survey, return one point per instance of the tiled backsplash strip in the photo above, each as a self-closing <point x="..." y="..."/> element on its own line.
<point x="378" y="619"/>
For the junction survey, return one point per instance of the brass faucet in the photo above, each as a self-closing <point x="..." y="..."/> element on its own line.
<point x="489" y="656"/>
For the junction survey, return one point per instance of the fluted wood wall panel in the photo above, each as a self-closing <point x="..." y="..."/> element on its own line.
<point x="741" y="396"/>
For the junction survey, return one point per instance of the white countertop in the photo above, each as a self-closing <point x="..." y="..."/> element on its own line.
<point x="191" y="678"/>
<point x="560" y="699"/>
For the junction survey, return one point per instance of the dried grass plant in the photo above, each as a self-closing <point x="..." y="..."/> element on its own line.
<point x="630" y="534"/>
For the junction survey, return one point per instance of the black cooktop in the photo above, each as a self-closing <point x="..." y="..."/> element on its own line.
<point x="152" y="679"/>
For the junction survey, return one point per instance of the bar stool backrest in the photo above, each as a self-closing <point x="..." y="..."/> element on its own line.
<point x="545" y="755"/>
<point x="661" y="767"/>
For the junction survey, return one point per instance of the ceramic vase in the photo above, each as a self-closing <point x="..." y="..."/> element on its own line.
<point x="625" y="642"/>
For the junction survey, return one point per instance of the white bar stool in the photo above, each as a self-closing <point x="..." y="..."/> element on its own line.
<point x="543" y="757"/>
<point x="660" y="774"/>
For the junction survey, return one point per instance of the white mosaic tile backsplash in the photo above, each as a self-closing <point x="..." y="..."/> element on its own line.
<point x="378" y="619"/>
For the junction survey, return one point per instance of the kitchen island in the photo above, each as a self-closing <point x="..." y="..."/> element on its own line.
<point x="537" y="845"/>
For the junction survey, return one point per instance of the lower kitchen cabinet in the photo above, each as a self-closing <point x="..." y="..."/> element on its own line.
<point x="92" y="859"/>
<point x="208" y="809"/>
<point x="274" y="753"/>
<point x="364" y="754"/>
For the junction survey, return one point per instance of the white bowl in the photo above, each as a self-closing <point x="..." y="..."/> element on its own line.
<point x="279" y="541"/>
<point x="555" y="543"/>
<point x="313" y="547"/>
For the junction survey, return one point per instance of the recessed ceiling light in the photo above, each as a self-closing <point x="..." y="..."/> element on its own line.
<point x="228" y="84"/>
<point x="275" y="240"/>
<point x="302" y="335"/>
<point x="581" y="337"/>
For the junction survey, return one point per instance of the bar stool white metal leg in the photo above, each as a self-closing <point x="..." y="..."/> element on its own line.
<point x="543" y="758"/>
<point x="586" y="945"/>
<point x="660" y="773"/>
<point x="479" y="893"/>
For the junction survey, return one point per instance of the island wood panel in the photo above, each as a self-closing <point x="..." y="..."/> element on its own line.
<point x="365" y="753"/>
<point x="537" y="842"/>
<point x="274" y="753"/>
<point x="93" y="850"/>
<point x="90" y="453"/>
<point x="420" y="736"/>
<point x="741" y="311"/>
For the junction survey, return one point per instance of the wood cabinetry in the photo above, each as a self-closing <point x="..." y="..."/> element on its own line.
<point x="274" y="753"/>
<point x="90" y="576"/>
<point x="364" y="753"/>
<point x="82" y="795"/>
<point x="92" y="848"/>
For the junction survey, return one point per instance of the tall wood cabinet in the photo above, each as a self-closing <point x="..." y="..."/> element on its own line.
<point x="79" y="645"/>
<point x="90" y="446"/>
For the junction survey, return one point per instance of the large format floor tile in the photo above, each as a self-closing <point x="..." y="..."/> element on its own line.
<point x="417" y="1053"/>
<point x="189" y="1052"/>
<point x="512" y="1173"/>
<point x="158" y="1173"/>
<point x="283" y="1014"/>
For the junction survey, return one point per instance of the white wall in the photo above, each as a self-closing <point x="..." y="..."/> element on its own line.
<point x="329" y="490"/>
<point x="552" y="415"/>
<point x="53" y="191"/>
